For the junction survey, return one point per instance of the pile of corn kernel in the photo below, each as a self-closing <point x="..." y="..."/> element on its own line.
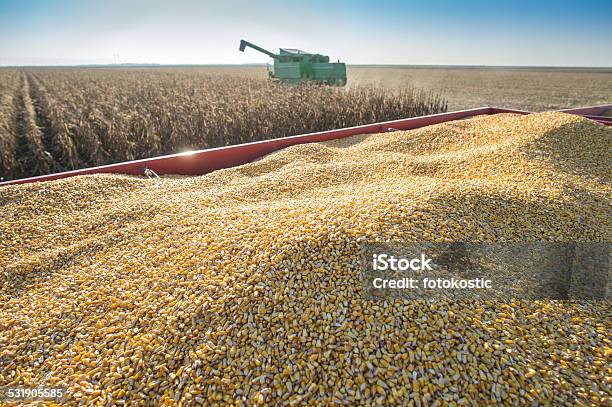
<point x="242" y="287"/>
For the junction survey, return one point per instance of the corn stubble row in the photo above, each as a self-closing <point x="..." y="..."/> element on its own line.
<point x="241" y="287"/>
<point x="89" y="117"/>
<point x="9" y="86"/>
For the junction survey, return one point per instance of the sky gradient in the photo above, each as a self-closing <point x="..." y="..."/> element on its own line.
<point x="472" y="32"/>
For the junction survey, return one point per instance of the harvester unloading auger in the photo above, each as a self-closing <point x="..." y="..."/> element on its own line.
<point x="296" y="66"/>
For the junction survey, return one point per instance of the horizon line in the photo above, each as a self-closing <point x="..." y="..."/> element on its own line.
<point x="464" y="66"/>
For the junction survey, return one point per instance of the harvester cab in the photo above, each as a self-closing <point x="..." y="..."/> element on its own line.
<point x="296" y="66"/>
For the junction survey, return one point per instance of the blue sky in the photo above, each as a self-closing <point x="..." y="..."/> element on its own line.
<point x="472" y="32"/>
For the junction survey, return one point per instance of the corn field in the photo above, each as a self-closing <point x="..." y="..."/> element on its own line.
<point x="55" y="120"/>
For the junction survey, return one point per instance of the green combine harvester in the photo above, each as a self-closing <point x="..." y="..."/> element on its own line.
<point x="295" y="66"/>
